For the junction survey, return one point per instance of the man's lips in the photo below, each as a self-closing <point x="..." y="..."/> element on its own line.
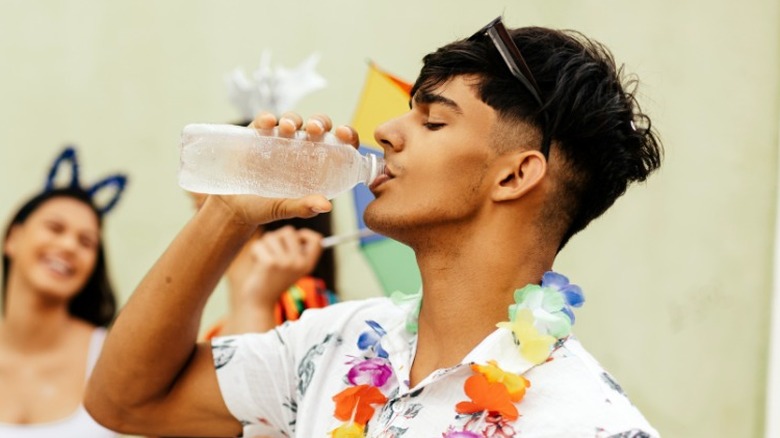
<point x="381" y="179"/>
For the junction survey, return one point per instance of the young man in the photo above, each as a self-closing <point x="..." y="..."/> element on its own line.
<point x="494" y="168"/>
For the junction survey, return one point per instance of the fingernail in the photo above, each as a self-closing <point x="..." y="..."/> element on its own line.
<point x="318" y="123"/>
<point x="288" y="122"/>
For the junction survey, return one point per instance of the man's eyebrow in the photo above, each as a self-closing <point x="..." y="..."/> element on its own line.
<point x="425" y="98"/>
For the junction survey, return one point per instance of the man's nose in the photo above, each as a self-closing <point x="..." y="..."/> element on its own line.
<point x="389" y="136"/>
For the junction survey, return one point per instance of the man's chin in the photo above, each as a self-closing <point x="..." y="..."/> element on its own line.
<point x="376" y="223"/>
<point x="395" y="227"/>
<point x="383" y="224"/>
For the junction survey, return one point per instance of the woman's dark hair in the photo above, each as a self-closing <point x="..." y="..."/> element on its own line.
<point x="95" y="303"/>
<point x="599" y="135"/>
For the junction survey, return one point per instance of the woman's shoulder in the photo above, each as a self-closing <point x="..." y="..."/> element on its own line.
<point x="85" y="332"/>
<point x="93" y="337"/>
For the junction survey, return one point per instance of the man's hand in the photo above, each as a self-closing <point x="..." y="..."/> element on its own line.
<point x="255" y="210"/>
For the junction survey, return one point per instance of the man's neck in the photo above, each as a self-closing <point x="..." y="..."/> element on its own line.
<point x="468" y="284"/>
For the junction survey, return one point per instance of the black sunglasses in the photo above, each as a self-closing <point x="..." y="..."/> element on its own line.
<point x="515" y="62"/>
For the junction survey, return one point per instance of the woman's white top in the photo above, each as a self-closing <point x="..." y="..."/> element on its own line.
<point x="77" y="425"/>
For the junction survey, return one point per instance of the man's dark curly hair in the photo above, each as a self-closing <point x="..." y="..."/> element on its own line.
<point x="590" y="115"/>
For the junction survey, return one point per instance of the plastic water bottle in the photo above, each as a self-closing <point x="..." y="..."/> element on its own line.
<point x="232" y="160"/>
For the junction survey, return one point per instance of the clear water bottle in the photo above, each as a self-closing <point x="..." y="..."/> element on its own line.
<point x="231" y="160"/>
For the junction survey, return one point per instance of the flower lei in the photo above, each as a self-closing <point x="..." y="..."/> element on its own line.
<point x="368" y="373"/>
<point x="541" y="316"/>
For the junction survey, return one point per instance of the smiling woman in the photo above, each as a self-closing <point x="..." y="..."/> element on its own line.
<point x="56" y="302"/>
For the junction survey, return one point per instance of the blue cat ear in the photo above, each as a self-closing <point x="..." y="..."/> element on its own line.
<point x="102" y="197"/>
<point x="68" y="155"/>
<point x="118" y="182"/>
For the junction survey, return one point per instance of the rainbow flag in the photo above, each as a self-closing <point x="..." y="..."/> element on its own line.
<point x="384" y="97"/>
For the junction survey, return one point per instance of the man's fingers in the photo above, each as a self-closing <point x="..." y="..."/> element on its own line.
<point x="348" y="135"/>
<point x="306" y="207"/>
<point x="255" y="210"/>
<point x="318" y="124"/>
<point x="289" y="123"/>
<point x="263" y="120"/>
<point x="315" y="127"/>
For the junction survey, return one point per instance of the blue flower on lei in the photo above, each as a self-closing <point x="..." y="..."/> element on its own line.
<point x="550" y="304"/>
<point x="372" y="339"/>
<point x="572" y="293"/>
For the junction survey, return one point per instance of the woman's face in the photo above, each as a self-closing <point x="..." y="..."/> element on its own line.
<point x="55" y="250"/>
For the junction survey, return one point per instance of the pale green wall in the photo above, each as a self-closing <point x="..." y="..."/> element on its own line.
<point x="677" y="274"/>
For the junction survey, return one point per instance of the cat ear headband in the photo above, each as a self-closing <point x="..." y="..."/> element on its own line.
<point x="97" y="192"/>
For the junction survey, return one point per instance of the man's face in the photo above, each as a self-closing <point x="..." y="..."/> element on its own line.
<point x="439" y="160"/>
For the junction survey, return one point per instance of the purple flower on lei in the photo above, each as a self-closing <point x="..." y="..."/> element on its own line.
<point x="371" y="339"/>
<point x="572" y="293"/>
<point x="374" y="372"/>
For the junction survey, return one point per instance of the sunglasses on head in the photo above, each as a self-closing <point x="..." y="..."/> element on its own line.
<point x="513" y="59"/>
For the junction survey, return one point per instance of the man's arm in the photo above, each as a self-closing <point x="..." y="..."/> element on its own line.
<point x="151" y="377"/>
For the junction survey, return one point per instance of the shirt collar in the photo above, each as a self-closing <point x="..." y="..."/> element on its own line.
<point x="500" y="347"/>
<point x="400" y="343"/>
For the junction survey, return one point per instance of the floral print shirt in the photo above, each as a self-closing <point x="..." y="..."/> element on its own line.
<point x="282" y="383"/>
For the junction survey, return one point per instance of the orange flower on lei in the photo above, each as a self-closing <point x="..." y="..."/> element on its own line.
<point x="515" y="383"/>
<point x="493" y="390"/>
<point x="354" y="403"/>
<point x="541" y="316"/>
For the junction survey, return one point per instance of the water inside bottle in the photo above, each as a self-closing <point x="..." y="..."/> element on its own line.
<point x="237" y="160"/>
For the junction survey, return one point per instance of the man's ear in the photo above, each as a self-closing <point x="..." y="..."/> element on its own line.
<point x="519" y="173"/>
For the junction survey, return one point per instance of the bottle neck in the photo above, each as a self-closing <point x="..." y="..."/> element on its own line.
<point x="372" y="166"/>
